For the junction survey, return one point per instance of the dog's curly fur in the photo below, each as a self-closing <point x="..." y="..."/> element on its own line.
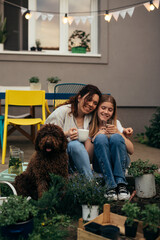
<point x="50" y="157"/>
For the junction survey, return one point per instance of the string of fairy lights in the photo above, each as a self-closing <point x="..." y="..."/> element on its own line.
<point x="71" y="16"/>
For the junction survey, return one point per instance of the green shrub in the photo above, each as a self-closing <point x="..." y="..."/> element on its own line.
<point x="131" y="211"/>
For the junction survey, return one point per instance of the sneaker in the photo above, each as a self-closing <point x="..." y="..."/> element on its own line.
<point x="123" y="193"/>
<point x="111" y="195"/>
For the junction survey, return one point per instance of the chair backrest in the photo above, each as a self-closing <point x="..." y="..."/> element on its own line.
<point x="66" y="88"/>
<point x="25" y="98"/>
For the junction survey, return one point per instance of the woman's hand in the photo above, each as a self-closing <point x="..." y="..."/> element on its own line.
<point x="72" y="133"/>
<point x="128" y="132"/>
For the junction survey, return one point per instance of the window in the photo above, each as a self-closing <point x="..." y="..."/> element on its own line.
<point x="46" y="24"/>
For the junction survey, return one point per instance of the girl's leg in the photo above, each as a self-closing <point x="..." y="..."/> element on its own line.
<point x="119" y="157"/>
<point x="102" y="154"/>
<point x="120" y="161"/>
<point x="79" y="157"/>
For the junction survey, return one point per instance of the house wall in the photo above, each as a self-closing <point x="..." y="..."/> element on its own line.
<point x="128" y="66"/>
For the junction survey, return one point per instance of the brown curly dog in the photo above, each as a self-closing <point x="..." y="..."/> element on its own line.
<point x="50" y="157"/>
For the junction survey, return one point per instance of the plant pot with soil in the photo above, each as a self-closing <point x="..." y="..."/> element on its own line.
<point x="52" y="81"/>
<point x="34" y="83"/>
<point x="151" y="221"/>
<point x="132" y="212"/>
<point x="143" y="171"/>
<point x="16" y="218"/>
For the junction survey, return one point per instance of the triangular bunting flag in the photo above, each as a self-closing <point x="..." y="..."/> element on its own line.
<point x="147" y="6"/>
<point x="130" y="11"/>
<point x="44" y="17"/>
<point x="23" y="10"/>
<point x="77" y="20"/>
<point x="37" y="15"/>
<point x="90" y="19"/>
<point x="83" y="19"/>
<point x="123" y="13"/>
<point x="116" y="15"/>
<point x="70" y="20"/>
<point x="156" y="3"/>
<point x="50" y="16"/>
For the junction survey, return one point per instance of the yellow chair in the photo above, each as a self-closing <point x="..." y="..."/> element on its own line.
<point x="22" y="98"/>
<point x="64" y="88"/>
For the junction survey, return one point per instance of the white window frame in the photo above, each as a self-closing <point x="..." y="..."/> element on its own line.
<point x="63" y="47"/>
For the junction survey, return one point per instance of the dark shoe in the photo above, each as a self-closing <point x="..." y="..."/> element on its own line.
<point x="123" y="193"/>
<point x="111" y="195"/>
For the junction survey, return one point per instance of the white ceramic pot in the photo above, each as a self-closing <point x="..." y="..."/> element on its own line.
<point x="51" y="87"/>
<point x="145" y="186"/>
<point x="1" y="47"/>
<point x="89" y="213"/>
<point x="35" y="86"/>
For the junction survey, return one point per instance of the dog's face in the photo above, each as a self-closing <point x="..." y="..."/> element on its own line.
<point x="50" y="138"/>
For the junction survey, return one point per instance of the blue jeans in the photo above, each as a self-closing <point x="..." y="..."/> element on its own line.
<point x="79" y="158"/>
<point x="111" y="159"/>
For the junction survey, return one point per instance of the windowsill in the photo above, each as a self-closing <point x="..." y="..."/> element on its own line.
<point x="53" y="56"/>
<point x="51" y="53"/>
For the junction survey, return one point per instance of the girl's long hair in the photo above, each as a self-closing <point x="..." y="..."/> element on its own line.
<point x="91" y="89"/>
<point x="94" y="125"/>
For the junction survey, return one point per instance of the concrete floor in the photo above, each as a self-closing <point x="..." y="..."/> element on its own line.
<point x="140" y="151"/>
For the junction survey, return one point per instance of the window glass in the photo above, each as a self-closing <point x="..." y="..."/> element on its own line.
<point x="81" y="10"/>
<point x="48" y="31"/>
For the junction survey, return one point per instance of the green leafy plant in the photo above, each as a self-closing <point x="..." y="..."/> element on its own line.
<point x="86" y="192"/>
<point x="79" y="38"/>
<point x="139" y="168"/>
<point x="16" y="209"/>
<point x="34" y="80"/>
<point x="150" y="217"/>
<point x="3" y="32"/>
<point x="131" y="211"/>
<point x="38" y="43"/>
<point x="153" y="131"/>
<point x="53" y="79"/>
<point x="151" y="136"/>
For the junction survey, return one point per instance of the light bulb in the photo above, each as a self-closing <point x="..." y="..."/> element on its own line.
<point x="65" y="19"/>
<point x="152" y="7"/>
<point x="107" y="16"/>
<point x="28" y="14"/>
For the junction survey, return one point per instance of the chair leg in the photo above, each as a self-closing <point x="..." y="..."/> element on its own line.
<point x="1" y="132"/>
<point x="4" y="143"/>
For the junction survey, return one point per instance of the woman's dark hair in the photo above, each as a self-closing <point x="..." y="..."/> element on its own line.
<point x="91" y="89"/>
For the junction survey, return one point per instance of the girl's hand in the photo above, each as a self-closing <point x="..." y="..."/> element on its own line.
<point x="111" y="129"/>
<point x="73" y="133"/>
<point x="128" y="132"/>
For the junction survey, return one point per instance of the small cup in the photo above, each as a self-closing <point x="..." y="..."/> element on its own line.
<point x="83" y="135"/>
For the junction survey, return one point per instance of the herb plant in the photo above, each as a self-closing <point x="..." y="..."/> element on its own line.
<point x="53" y="79"/>
<point x="16" y="209"/>
<point x="131" y="211"/>
<point x="34" y="80"/>
<point x="139" y="168"/>
<point x="151" y="217"/>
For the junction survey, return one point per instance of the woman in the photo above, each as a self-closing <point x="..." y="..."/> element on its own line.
<point x="77" y="113"/>
<point x="109" y="148"/>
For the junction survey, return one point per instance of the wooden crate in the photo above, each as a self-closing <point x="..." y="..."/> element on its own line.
<point x="106" y="218"/>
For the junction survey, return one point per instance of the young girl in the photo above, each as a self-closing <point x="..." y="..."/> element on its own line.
<point x="108" y="148"/>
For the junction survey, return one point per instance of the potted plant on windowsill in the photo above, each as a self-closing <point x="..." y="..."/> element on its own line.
<point x="34" y="83"/>
<point x="87" y="193"/>
<point x="3" y="33"/>
<point x="143" y="171"/>
<point x="16" y="217"/>
<point x="79" y="42"/>
<point x="151" y="221"/>
<point x="38" y="45"/>
<point x="51" y="83"/>
<point x="132" y="212"/>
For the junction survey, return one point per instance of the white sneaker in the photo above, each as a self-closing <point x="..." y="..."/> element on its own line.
<point x="111" y="195"/>
<point x="123" y="193"/>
